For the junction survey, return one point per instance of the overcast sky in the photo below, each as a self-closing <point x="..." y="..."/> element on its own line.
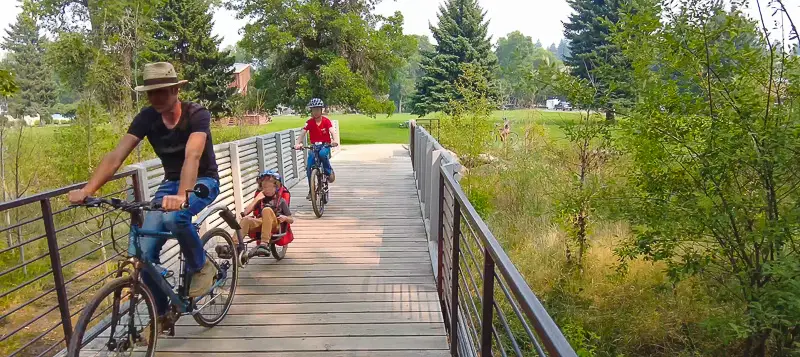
<point x="540" y="19"/>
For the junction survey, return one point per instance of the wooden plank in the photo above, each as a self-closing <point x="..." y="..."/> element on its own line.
<point x="354" y="249"/>
<point x="303" y="344"/>
<point x="340" y="297"/>
<point x="335" y="289"/>
<point x="271" y="273"/>
<point x="364" y="353"/>
<point x="418" y="255"/>
<point x="348" y="280"/>
<point x="325" y="319"/>
<point x="280" y="267"/>
<point x="290" y="260"/>
<point x="384" y="329"/>
<point x="335" y="307"/>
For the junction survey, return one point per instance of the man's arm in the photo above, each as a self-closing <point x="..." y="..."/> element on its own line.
<point x="191" y="163"/>
<point x="107" y="168"/>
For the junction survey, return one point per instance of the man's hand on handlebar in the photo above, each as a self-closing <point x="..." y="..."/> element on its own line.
<point x="298" y="146"/>
<point x="333" y="145"/>
<point x="77" y="196"/>
<point x="173" y="202"/>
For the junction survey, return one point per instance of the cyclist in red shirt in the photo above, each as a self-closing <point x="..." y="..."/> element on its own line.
<point x="320" y="131"/>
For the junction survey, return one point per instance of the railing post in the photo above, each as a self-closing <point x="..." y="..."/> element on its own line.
<point x="294" y="155"/>
<point x="279" y="151"/>
<point x="454" y="278"/>
<point x="55" y="263"/>
<point x="236" y="177"/>
<point x="412" y="129"/>
<point x="488" y="304"/>
<point x="440" y="250"/>
<point x="260" y="154"/>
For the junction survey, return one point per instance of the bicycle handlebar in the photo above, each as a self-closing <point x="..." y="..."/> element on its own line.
<point x="312" y="147"/>
<point x="199" y="190"/>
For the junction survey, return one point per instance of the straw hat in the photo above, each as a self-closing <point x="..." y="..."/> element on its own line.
<point x="159" y="75"/>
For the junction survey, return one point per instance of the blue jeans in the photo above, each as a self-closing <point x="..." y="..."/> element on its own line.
<point x="179" y="223"/>
<point x="325" y="157"/>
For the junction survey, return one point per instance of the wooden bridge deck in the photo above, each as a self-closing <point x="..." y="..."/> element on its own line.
<point x="357" y="282"/>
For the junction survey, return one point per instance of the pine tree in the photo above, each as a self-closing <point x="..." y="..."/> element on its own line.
<point x="563" y="50"/>
<point x="553" y="49"/>
<point x="182" y="36"/>
<point x="593" y="56"/>
<point x="462" y="38"/>
<point x="25" y="47"/>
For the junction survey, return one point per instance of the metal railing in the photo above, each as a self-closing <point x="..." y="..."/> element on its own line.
<point x="487" y="306"/>
<point x="54" y="257"/>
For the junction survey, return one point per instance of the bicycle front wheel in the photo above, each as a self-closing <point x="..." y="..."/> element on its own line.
<point x="119" y="320"/>
<point x="214" y="306"/>
<point x="317" y="194"/>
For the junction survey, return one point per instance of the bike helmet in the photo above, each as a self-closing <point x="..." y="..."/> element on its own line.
<point x="270" y="173"/>
<point x="316" y="103"/>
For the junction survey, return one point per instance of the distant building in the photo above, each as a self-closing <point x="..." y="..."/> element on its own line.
<point x="241" y="77"/>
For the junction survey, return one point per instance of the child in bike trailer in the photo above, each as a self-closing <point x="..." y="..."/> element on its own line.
<point x="320" y="130"/>
<point x="270" y="209"/>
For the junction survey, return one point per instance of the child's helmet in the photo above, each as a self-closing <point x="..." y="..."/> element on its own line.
<point x="269" y="173"/>
<point x="316" y="103"/>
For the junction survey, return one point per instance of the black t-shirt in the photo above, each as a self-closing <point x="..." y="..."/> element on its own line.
<point x="170" y="144"/>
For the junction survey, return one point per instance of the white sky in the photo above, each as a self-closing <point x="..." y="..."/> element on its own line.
<point x="540" y="19"/>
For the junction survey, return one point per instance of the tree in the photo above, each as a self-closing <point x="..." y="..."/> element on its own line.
<point x="519" y="60"/>
<point x="182" y="36"/>
<point x="553" y="49"/>
<point x="336" y="50"/>
<point x="462" y="38"/>
<point x="563" y="51"/>
<point x="35" y="80"/>
<point x="715" y="155"/>
<point x="593" y="57"/>
<point x="405" y="78"/>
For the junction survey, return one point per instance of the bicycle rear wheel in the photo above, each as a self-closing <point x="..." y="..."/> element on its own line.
<point x="317" y="194"/>
<point x="214" y="307"/>
<point x="119" y="320"/>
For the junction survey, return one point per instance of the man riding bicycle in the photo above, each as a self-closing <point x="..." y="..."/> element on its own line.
<point x="320" y="130"/>
<point x="180" y="135"/>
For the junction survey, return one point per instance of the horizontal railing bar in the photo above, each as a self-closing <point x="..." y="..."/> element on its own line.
<point x="23" y="264"/>
<point x="86" y="237"/>
<point x="45" y="352"/>
<point x="504" y="321"/>
<point x="31" y="321"/>
<point x="29" y="282"/>
<point x="53" y="193"/>
<point x="520" y="315"/>
<point x="20" y="224"/>
<point x="15" y="246"/>
<point x="59" y="230"/>
<point x="35" y="339"/>
<point x="26" y="303"/>
<point x="84" y="255"/>
<point x="554" y="340"/>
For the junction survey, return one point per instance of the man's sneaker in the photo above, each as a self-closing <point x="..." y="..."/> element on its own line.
<point x="332" y="177"/>
<point x="308" y="197"/>
<point x="203" y="280"/>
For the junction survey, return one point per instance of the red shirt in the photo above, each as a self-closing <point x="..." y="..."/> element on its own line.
<point x="319" y="133"/>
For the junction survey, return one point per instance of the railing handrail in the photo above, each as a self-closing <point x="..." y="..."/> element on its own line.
<point x="554" y="340"/>
<point x="435" y="175"/>
<point x="240" y="161"/>
<point x="54" y="192"/>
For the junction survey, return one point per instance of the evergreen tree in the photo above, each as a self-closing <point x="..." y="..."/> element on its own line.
<point x="593" y="57"/>
<point x="563" y="51"/>
<point x="25" y="47"/>
<point x="462" y="38"/>
<point x="553" y="49"/>
<point x="182" y="36"/>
